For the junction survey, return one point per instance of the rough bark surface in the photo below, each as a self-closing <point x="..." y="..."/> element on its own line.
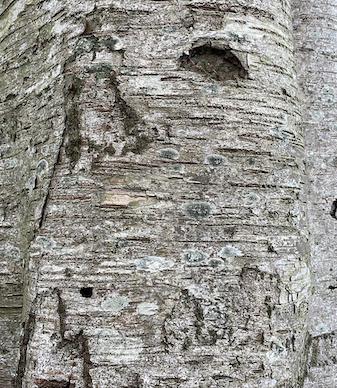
<point x="154" y="215"/>
<point x="316" y="36"/>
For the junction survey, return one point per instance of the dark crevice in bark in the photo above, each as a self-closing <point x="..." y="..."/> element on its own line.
<point x="86" y="360"/>
<point x="218" y="64"/>
<point x="334" y="209"/>
<point x="68" y="92"/>
<point x="305" y="361"/>
<point x="28" y="331"/>
<point x="61" y="310"/>
<point x="72" y="120"/>
<point x="42" y="383"/>
<point x="79" y="342"/>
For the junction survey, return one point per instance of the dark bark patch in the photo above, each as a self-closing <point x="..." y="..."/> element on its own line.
<point x="86" y="292"/>
<point x="169" y="153"/>
<point x="137" y="139"/>
<point x="215" y="160"/>
<point x="42" y="383"/>
<point x="28" y="331"/>
<point x="218" y="64"/>
<point x="72" y="121"/>
<point x="61" y="310"/>
<point x="86" y="361"/>
<point x="198" y="209"/>
<point x="136" y="134"/>
<point x="333" y="209"/>
<point x="10" y="97"/>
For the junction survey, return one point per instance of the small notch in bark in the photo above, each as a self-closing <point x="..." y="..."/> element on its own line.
<point x="86" y="292"/>
<point x="221" y="64"/>
<point x="333" y="209"/>
<point x="42" y="383"/>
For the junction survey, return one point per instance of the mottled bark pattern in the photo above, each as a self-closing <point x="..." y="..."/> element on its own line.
<point x="154" y="169"/>
<point x="316" y="35"/>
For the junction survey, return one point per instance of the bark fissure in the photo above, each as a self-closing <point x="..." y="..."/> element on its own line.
<point x="28" y="331"/>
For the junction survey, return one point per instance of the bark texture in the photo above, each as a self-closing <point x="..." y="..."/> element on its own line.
<point x="316" y="36"/>
<point x="153" y="176"/>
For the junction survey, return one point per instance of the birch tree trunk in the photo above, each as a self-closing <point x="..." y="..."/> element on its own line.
<point x="316" y="38"/>
<point x="154" y="225"/>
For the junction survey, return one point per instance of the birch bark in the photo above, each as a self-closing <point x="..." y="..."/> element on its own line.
<point x="316" y="37"/>
<point x="153" y="175"/>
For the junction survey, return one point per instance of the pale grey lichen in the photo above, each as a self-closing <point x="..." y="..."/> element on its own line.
<point x="45" y="243"/>
<point x="115" y="304"/>
<point x="41" y="167"/>
<point x="194" y="256"/>
<point x="230" y="251"/>
<point x="147" y="308"/>
<point x="153" y="263"/>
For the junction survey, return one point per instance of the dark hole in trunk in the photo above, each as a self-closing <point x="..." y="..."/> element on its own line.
<point x="86" y="292"/>
<point x="215" y="63"/>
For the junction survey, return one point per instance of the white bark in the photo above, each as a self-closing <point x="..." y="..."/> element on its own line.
<point x="153" y="170"/>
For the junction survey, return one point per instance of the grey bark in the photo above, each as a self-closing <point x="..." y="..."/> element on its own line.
<point x="154" y="223"/>
<point x="316" y="36"/>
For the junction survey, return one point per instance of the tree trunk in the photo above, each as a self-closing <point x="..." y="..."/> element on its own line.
<point x="316" y="36"/>
<point x="155" y="205"/>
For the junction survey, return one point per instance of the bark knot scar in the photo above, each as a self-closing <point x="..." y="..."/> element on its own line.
<point x="220" y="64"/>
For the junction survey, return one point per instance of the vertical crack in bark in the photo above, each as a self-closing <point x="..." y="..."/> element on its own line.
<point x="29" y="327"/>
<point x="61" y="310"/>
<point x="306" y="362"/>
<point x="80" y="341"/>
<point x="84" y="351"/>
<point x="72" y="90"/>
<point x="46" y="198"/>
